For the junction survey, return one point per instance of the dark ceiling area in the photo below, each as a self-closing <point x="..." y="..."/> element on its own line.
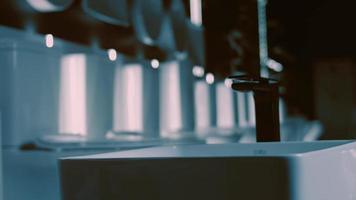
<point x="231" y="36"/>
<point x="313" y="28"/>
<point x="73" y="24"/>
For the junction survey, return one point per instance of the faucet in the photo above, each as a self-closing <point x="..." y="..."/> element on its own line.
<point x="265" y="93"/>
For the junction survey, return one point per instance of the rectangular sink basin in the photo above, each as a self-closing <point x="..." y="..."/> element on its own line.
<point x="324" y="170"/>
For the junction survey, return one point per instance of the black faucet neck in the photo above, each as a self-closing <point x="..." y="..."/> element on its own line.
<point x="265" y="92"/>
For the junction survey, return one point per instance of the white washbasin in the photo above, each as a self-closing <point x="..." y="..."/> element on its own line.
<point x="324" y="170"/>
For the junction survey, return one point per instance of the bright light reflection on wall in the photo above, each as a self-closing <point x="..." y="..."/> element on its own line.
<point x="228" y="82"/>
<point x="154" y="63"/>
<point x="202" y="105"/>
<point x="209" y="78"/>
<point x="128" y="107"/>
<point x="225" y="106"/>
<point x="242" y="109"/>
<point x="42" y="5"/>
<point x="72" y="115"/>
<point x="49" y="40"/>
<point x="117" y="119"/>
<point x="133" y="95"/>
<point x="112" y="54"/>
<point x="198" y="71"/>
<point x="276" y="66"/>
<point x="196" y="12"/>
<point x="171" y="113"/>
<point x="251" y="109"/>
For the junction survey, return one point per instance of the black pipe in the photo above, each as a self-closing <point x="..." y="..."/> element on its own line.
<point x="265" y="92"/>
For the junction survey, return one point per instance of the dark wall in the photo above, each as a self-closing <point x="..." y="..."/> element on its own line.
<point x="305" y="32"/>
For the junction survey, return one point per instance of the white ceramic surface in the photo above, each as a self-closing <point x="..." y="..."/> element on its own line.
<point x="323" y="170"/>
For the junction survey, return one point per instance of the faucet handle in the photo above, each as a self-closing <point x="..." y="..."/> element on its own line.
<point x="249" y="83"/>
<point x="265" y="93"/>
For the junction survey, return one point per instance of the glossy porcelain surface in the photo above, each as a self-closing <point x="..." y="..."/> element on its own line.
<point x="290" y="170"/>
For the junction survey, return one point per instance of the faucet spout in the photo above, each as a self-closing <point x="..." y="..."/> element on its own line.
<point x="265" y="93"/>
